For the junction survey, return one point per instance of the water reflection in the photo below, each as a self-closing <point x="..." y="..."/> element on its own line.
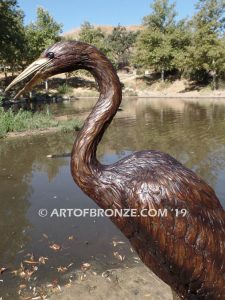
<point x="191" y="131"/>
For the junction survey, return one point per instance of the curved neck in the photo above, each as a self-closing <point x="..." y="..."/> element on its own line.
<point x="84" y="164"/>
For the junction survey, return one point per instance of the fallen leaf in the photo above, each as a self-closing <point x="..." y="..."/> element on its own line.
<point x="22" y="274"/>
<point x="118" y="256"/>
<point x="25" y="273"/>
<point x="55" y="247"/>
<point x="31" y="262"/>
<point x="136" y="258"/>
<point x="83" y="276"/>
<point x="42" y="259"/>
<point x="115" y="243"/>
<point x="2" y="270"/>
<point x="85" y="266"/>
<point x="62" y="269"/>
<point x="22" y="286"/>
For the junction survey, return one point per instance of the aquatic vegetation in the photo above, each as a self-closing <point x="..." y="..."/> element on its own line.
<point x="71" y="125"/>
<point x="65" y="89"/>
<point x="27" y="120"/>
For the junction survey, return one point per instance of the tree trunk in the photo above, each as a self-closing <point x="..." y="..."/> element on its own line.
<point x="163" y="75"/>
<point x="67" y="76"/>
<point x="214" y="85"/>
<point x="46" y="86"/>
<point x="214" y="76"/>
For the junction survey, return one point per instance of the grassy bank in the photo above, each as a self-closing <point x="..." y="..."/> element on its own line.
<point x="27" y="121"/>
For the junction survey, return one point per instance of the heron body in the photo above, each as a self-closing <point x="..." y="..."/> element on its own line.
<point x="185" y="251"/>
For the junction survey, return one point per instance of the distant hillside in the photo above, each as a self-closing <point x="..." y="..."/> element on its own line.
<point x="74" y="33"/>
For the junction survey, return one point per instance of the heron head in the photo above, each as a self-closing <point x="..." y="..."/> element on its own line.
<point x="62" y="57"/>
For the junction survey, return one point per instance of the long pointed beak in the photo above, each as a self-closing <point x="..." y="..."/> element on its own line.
<point x="35" y="68"/>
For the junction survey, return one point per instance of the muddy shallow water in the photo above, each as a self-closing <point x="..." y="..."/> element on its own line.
<point x="192" y="131"/>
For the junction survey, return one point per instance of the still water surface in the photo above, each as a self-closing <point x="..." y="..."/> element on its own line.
<point x="192" y="131"/>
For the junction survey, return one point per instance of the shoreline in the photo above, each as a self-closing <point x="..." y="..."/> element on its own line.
<point x="130" y="283"/>
<point x="43" y="131"/>
<point x="160" y="97"/>
<point x="34" y="132"/>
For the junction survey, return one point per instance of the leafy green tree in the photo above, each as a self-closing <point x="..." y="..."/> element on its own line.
<point x="120" y="43"/>
<point x="162" y="17"/>
<point x="162" y="44"/>
<point x="93" y="36"/>
<point x="180" y="40"/>
<point x="154" y="50"/>
<point x="206" y="55"/>
<point x="41" y="34"/>
<point x="12" y="36"/>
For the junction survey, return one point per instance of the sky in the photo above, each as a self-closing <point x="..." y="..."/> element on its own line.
<point x="72" y="13"/>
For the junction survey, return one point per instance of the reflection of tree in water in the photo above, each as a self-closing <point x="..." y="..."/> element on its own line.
<point x="18" y="159"/>
<point x="52" y="144"/>
<point x="13" y="201"/>
<point x="193" y="135"/>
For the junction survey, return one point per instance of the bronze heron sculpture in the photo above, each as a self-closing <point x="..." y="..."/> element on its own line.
<point x="186" y="252"/>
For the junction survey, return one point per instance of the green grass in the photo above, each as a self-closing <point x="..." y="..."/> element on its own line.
<point x="26" y="120"/>
<point x="1" y="99"/>
<point x="65" y="89"/>
<point x="70" y="125"/>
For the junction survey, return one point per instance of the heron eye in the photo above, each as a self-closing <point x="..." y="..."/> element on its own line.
<point x="50" y="55"/>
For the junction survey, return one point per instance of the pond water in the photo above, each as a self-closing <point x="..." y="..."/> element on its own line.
<point x="192" y="131"/>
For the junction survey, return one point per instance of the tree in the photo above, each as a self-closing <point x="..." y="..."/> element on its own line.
<point x="120" y="43"/>
<point x="154" y="50"/>
<point x="180" y="40"/>
<point x="206" y="54"/>
<point x="93" y="36"/>
<point x="162" y="17"/>
<point x="12" y="36"/>
<point x="162" y="45"/>
<point x="41" y="34"/>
